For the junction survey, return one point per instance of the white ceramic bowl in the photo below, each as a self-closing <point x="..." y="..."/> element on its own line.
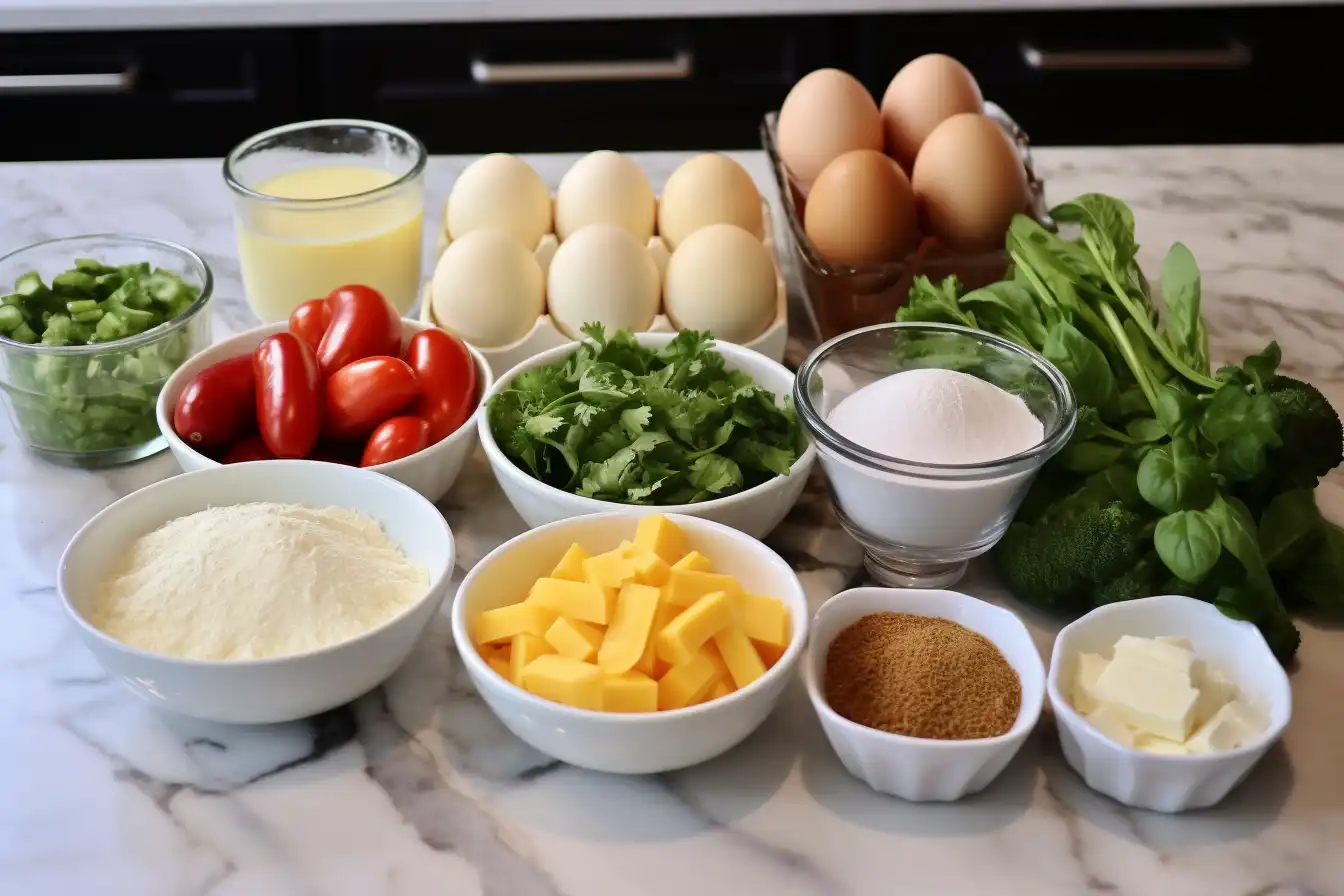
<point x="277" y="689"/>
<point x="914" y="768"/>
<point x="643" y="743"/>
<point x="431" y="472"/>
<point x="1160" y="782"/>
<point x="756" y="511"/>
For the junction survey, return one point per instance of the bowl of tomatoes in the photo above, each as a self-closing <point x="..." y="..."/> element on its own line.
<point x="345" y="380"/>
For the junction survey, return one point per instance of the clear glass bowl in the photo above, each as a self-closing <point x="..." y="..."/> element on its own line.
<point x="93" y="405"/>
<point x="320" y="204"/>
<point x="919" y="523"/>
<point x="839" y="298"/>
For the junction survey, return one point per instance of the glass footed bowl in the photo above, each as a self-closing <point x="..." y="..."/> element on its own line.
<point x="919" y="523"/>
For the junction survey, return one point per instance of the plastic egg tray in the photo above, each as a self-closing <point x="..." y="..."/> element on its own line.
<point x="545" y="334"/>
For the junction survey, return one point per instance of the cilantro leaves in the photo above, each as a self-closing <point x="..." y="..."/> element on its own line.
<point x="620" y="422"/>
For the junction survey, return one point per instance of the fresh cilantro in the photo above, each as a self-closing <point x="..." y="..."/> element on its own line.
<point x="620" y="422"/>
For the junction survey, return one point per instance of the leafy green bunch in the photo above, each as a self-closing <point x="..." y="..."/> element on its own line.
<point x="1178" y="479"/>
<point x="621" y="422"/>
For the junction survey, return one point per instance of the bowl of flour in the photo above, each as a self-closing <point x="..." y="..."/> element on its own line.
<point x="258" y="592"/>
<point x="930" y="435"/>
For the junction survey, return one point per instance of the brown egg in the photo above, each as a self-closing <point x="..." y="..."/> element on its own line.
<point x="826" y="114"/>
<point x="861" y="210"/>
<point x="925" y="93"/>
<point x="969" y="182"/>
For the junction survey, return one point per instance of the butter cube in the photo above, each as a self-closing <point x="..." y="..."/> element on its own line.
<point x="1232" y="726"/>
<point x="1174" y="640"/>
<point x="694" y="562"/>
<point x="525" y="648"/>
<point x="743" y="662"/>
<point x="1215" y="692"/>
<point x="763" y="618"/>
<point x="685" y="588"/>
<point x="500" y="666"/>
<point x="1151" y="743"/>
<point x="687" y="682"/>
<point x="650" y="569"/>
<point x="564" y="680"/>
<point x="1109" y="723"/>
<point x="1151" y="697"/>
<point x="720" y="688"/>
<point x="574" y="638"/>
<point x="769" y="653"/>
<point x="693" y="626"/>
<point x="1167" y="653"/>
<point x="570" y="566"/>
<point x="494" y="626"/>
<point x="629" y="692"/>
<point x="610" y="570"/>
<point x="577" y="600"/>
<point x="659" y="535"/>
<point x="631" y="628"/>
<point x="1088" y="670"/>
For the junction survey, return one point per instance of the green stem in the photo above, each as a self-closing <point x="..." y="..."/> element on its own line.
<point x="1131" y="359"/>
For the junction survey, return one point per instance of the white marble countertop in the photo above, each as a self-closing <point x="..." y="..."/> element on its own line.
<point x="416" y="788"/>
<point x="134" y="15"/>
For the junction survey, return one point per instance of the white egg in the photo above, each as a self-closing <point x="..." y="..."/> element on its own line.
<point x="605" y="186"/>
<point x="503" y="192"/>
<point x="708" y="189"/>
<point x="721" y="279"/>
<point x="487" y="288"/>
<point x="602" y="274"/>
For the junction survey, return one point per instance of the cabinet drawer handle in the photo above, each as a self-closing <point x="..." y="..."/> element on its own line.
<point x="678" y="68"/>
<point x="1234" y="55"/>
<point x="93" y="82"/>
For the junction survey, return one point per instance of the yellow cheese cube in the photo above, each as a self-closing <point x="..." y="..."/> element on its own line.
<point x="769" y="653"/>
<point x="576" y="600"/>
<point x="564" y="680"/>
<point x="649" y="663"/>
<point x="629" y="692"/>
<point x="686" y="683"/>
<point x="720" y="688"/>
<point x="494" y="626"/>
<point x="659" y="535"/>
<point x="627" y="548"/>
<point x="525" y="649"/>
<point x="630" y="630"/>
<point x="610" y="570"/>
<point x="685" y="587"/>
<point x="693" y="562"/>
<point x="650" y="569"/>
<point x="575" y="639"/>
<point x="500" y="665"/>
<point x="571" y="565"/>
<point x="763" y="618"/>
<point x="743" y="662"/>
<point x="693" y="626"/>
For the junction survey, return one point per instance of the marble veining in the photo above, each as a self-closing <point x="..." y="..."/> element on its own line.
<point x="416" y="788"/>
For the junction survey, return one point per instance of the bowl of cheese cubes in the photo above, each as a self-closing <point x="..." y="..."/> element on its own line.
<point x="1164" y="703"/>
<point x="631" y="644"/>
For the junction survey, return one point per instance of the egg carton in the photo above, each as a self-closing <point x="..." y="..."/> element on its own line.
<point x="545" y="334"/>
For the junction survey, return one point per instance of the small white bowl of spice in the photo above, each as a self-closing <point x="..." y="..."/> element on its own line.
<point x="1164" y="703"/>
<point x="925" y="695"/>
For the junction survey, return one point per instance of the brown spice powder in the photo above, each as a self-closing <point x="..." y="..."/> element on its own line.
<point x="922" y="677"/>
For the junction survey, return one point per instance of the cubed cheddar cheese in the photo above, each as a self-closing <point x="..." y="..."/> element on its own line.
<point x="575" y="639"/>
<point x="577" y="600"/>
<point x="693" y="562"/>
<point x="720" y="688"/>
<point x="763" y="618"/>
<point x="649" y="663"/>
<point x="659" y="535"/>
<point x="571" y="565"/>
<point x="686" y="683"/>
<point x="631" y="628"/>
<point x="495" y="626"/>
<point x="525" y="648"/>
<point x="650" y="569"/>
<point x="564" y="680"/>
<point x="627" y="547"/>
<point x="769" y="653"/>
<point x="629" y="692"/>
<point x="693" y="626"/>
<point x="685" y="587"/>
<point x="500" y="665"/>
<point x="610" y="570"/>
<point x="743" y="662"/>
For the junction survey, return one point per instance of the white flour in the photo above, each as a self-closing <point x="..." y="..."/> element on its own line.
<point x="256" y="580"/>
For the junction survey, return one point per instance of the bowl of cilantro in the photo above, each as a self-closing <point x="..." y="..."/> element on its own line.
<point x="659" y="422"/>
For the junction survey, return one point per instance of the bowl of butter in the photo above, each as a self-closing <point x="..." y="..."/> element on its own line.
<point x="1164" y="703"/>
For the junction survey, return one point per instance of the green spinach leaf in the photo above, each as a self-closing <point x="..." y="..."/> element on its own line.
<point x="1185" y="329"/>
<point x="1079" y="359"/>
<point x="1188" y="544"/>
<point x="1175" y="477"/>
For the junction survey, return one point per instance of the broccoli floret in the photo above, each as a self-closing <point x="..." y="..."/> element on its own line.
<point x="1313" y="437"/>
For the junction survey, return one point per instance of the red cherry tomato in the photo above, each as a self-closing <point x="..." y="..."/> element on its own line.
<point x="394" y="439"/>
<point x="446" y="373"/>
<point x="251" y="448"/>
<point x="288" y="395"/>
<point x="363" y="324"/>
<point x="218" y="407"/>
<point x="310" y="320"/>
<point x="364" y="393"/>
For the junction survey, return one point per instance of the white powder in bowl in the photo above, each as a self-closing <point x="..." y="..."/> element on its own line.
<point x="256" y="580"/>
